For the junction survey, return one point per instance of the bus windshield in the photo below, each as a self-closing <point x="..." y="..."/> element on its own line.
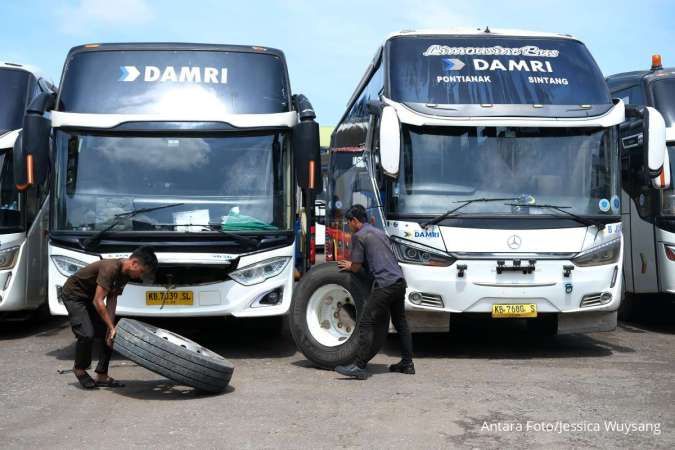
<point x="14" y="86"/>
<point x="229" y="181"/>
<point x="183" y="82"/>
<point x="668" y="204"/>
<point x="10" y="217"/>
<point x="664" y="99"/>
<point x="496" y="70"/>
<point x="572" y="167"/>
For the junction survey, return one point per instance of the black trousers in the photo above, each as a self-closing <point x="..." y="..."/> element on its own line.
<point x="382" y="303"/>
<point x="88" y="327"/>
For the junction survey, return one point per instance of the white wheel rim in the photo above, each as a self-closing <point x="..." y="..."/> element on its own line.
<point x="331" y="313"/>
<point x="185" y="343"/>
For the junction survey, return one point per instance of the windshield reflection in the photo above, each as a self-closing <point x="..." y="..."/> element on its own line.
<point x="10" y="216"/>
<point x="236" y="182"/>
<point x="573" y="167"/>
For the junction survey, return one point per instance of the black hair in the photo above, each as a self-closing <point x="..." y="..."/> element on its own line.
<point x="357" y="212"/>
<point x="146" y="256"/>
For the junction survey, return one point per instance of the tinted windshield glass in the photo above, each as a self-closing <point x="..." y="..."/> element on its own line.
<point x="237" y="181"/>
<point x="664" y="99"/>
<point x="9" y="196"/>
<point x="494" y="70"/>
<point x="14" y="88"/>
<point x="668" y="207"/>
<point x="174" y="82"/>
<point x="566" y="167"/>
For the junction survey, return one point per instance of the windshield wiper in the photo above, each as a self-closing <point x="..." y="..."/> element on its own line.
<point x="251" y="242"/>
<point x="92" y="242"/>
<point x="563" y="209"/>
<point x="464" y="203"/>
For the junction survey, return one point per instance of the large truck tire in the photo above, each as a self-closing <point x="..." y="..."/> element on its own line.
<point x="172" y="356"/>
<point x="629" y="308"/>
<point x="324" y="317"/>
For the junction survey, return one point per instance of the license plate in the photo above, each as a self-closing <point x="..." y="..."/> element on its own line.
<point x="169" y="298"/>
<point x="516" y="310"/>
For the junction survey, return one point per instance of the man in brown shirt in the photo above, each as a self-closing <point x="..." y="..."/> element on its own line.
<point x="90" y="317"/>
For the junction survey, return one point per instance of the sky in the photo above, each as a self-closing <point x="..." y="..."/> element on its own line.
<point x="328" y="44"/>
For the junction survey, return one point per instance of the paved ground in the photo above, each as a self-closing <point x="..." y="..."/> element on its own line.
<point x="470" y="391"/>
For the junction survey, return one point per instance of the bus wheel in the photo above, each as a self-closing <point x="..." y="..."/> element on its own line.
<point x="628" y="308"/>
<point x="172" y="356"/>
<point x="324" y="315"/>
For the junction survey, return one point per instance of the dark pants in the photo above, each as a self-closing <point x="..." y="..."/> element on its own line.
<point x="87" y="326"/>
<point x="382" y="303"/>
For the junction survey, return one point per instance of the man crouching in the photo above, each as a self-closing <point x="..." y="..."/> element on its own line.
<point x="90" y="317"/>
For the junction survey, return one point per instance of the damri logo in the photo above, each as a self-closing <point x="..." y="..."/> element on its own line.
<point x="183" y="74"/>
<point x="427" y="234"/>
<point x="128" y="73"/>
<point x="450" y="64"/>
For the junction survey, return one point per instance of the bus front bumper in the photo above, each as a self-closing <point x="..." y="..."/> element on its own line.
<point x="585" y="299"/>
<point x="271" y="297"/>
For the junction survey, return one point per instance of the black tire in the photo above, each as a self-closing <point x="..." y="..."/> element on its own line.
<point x="187" y="363"/>
<point x="321" y="355"/>
<point x="628" y="309"/>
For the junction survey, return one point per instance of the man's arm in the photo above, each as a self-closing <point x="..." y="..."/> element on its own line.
<point x="111" y="306"/>
<point x="99" y="304"/>
<point x="357" y="256"/>
<point x="349" y="266"/>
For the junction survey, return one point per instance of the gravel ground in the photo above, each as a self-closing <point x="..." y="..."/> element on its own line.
<point x="474" y="390"/>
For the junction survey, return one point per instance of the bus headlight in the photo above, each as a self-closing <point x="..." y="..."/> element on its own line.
<point x="411" y="253"/>
<point x="8" y="257"/>
<point x="259" y="272"/>
<point x="67" y="266"/>
<point x="607" y="253"/>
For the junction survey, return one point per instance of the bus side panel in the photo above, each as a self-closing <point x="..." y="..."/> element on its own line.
<point x="645" y="276"/>
<point x="627" y="250"/>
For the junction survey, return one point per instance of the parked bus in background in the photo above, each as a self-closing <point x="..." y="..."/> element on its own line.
<point x="196" y="150"/>
<point x="23" y="215"/>
<point x="648" y="212"/>
<point x="491" y="158"/>
<point x="320" y="204"/>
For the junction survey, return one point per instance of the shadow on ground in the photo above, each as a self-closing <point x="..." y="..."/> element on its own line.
<point x="655" y="315"/>
<point x="159" y="389"/>
<point x="232" y="338"/>
<point x="42" y="328"/>
<point x="238" y="339"/>
<point x="507" y="339"/>
<point x="163" y="389"/>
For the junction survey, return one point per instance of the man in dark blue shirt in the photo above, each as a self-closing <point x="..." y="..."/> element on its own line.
<point x="371" y="245"/>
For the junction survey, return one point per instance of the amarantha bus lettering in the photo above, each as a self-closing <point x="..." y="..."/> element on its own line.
<point x="497" y="50"/>
<point x="171" y="74"/>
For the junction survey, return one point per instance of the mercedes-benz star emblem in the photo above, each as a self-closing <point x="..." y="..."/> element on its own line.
<point x="514" y="242"/>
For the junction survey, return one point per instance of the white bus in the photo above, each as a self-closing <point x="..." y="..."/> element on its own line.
<point x="193" y="149"/>
<point x="23" y="215"/>
<point x="648" y="213"/>
<point x="491" y="158"/>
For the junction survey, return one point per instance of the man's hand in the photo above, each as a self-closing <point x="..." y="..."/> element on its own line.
<point x="111" y="336"/>
<point x="345" y="265"/>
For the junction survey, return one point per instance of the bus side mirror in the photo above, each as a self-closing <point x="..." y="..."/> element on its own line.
<point x="658" y="168"/>
<point x="24" y="170"/>
<point x="307" y="155"/>
<point x="31" y="150"/>
<point x="390" y="142"/>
